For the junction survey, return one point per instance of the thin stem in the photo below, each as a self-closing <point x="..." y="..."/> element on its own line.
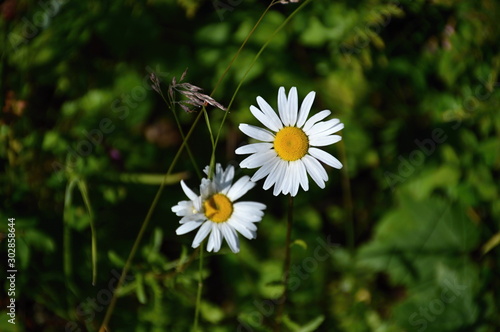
<point x="246" y="73"/>
<point x="240" y="49"/>
<point x="282" y="25"/>
<point x="109" y="311"/>
<point x="178" y="123"/>
<point x="207" y="120"/>
<point x="286" y="266"/>
<point x="67" y="266"/>
<point x="112" y="304"/>
<point x="84" y="192"/>
<point x="211" y="168"/>
<point x="200" y="287"/>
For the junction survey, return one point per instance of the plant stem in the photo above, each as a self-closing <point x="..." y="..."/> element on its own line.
<point x="82" y="185"/>
<point x="109" y="311"/>
<point x="67" y="266"/>
<point x="211" y="168"/>
<point x="240" y="49"/>
<point x="282" y="25"/>
<point x="286" y="266"/>
<point x="171" y="105"/>
<point x="200" y="287"/>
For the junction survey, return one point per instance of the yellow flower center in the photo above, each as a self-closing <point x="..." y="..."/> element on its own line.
<point x="218" y="208"/>
<point x="291" y="143"/>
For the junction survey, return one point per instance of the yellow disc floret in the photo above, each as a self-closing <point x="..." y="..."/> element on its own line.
<point x="218" y="208"/>
<point x="291" y="143"/>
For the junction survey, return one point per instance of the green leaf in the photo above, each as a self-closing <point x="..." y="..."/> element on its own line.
<point x="491" y="243"/>
<point x="315" y="34"/>
<point x="489" y="151"/>
<point x="141" y="294"/>
<point x="291" y="325"/>
<point x="157" y="239"/>
<point x="431" y="178"/>
<point x="115" y="259"/>
<point x="52" y="141"/>
<point x="211" y="312"/>
<point x="313" y="325"/>
<point x="300" y="243"/>
<point x="147" y="179"/>
<point x="410" y="239"/>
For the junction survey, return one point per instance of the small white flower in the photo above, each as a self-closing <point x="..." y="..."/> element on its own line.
<point x="215" y="212"/>
<point x="288" y="151"/>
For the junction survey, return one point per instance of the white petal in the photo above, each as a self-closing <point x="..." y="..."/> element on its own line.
<point x="280" y="177"/>
<point x="287" y="180"/>
<point x="315" y="170"/>
<point x="194" y="217"/>
<point x="197" y="204"/>
<point x="276" y="173"/>
<point x="179" y="210"/>
<point x="240" y="188"/>
<point x="246" y="218"/>
<point x="257" y="159"/>
<point x="183" y="208"/>
<point x="248" y="225"/>
<point x="257" y="132"/>
<point x="315" y="118"/>
<point x="270" y="113"/>
<point x="231" y="237"/>
<point x="282" y="106"/>
<point x="202" y="233"/>
<point x="224" y="179"/>
<point x="265" y="120"/>
<point x="287" y="184"/>
<point x="217" y="170"/>
<point x="322" y="126"/>
<point x="292" y="179"/>
<point x="243" y="228"/>
<point x="321" y="140"/>
<point x="325" y="157"/>
<point x="294" y="174"/>
<point x="326" y="127"/>
<point x="187" y="227"/>
<point x="302" y="175"/>
<point x="228" y="174"/>
<point x="305" y="108"/>
<point x="189" y="193"/>
<point x="334" y="129"/>
<point x="250" y="208"/>
<point x="206" y="169"/>
<point x="253" y="148"/>
<point x="215" y="239"/>
<point x="266" y="168"/>
<point x="207" y="189"/>
<point x="293" y="106"/>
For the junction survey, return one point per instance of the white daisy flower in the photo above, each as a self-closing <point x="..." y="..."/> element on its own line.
<point x="215" y="211"/>
<point x="289" y="149"/>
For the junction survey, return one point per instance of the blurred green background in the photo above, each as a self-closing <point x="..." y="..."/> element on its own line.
<point x="410" y="224"/>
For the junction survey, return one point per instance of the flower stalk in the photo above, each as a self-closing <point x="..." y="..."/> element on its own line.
<point x="145" y="223"/>
<point x="200" y="288"/>
<point x="287" y="263"/>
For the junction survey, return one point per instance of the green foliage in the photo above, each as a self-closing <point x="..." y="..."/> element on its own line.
<point x="404" y="238"/>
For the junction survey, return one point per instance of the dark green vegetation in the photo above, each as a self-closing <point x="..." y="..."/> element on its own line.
<point x="412" y="219"/>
